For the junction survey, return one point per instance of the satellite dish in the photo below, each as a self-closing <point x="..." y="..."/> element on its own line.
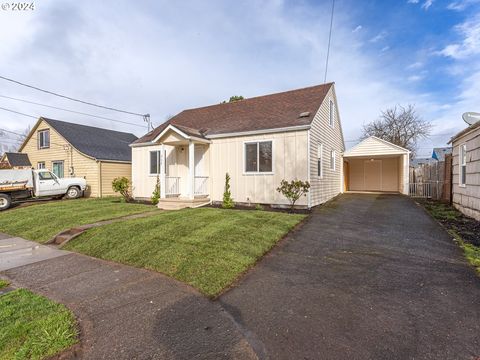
<point x="471" y="117"/>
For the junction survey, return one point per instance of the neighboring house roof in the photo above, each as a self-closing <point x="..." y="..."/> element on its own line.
<point x="439" y="153"/>
<point x="465" y="131"/>
<point x="98" y="143"/>
<point x="421" y="161"/>
<point x="373" y="145"/>
<point x="274" y="111"/>
<point x="17" y="159"/>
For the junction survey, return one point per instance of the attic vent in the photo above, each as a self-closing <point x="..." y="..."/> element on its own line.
<point x="305" y="114"/>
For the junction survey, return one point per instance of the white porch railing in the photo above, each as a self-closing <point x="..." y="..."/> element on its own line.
<point x="172" y="185"/>
<point x="201" y="185"/>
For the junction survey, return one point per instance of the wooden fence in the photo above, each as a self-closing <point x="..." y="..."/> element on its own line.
<point x="433" y="180"/>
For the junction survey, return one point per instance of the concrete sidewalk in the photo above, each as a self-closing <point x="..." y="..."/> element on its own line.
<point x="128" y="313"/>
<point x="15" y="251"/>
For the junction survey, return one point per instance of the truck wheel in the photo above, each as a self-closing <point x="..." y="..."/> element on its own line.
<point x="73" y="192"/>
<point x="5" y="202"/>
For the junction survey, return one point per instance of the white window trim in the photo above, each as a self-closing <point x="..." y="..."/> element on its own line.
<point x="159" y="153"/>
<point x="320" y="160"/>
<point x="331" y="113"/>
<point x="244" y="149"/>
<point x="333" y="155"/>
<point x="39" y="136"/>
<point x="59" y="162"/>
<point x="462" y="153"/>
<point x="38" y="165"/>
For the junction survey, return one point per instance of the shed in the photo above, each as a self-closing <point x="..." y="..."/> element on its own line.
<point x="17" y="160"/>
<point x="376" y="165"/>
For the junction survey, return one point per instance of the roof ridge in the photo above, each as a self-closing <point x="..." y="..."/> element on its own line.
<point x="260" y="96"/>
<point x="87" y="126"/>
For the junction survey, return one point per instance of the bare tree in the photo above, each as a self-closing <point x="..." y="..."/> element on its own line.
<point x="399" y="125"/>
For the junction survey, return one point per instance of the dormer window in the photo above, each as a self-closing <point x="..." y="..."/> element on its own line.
<point x="43" y="139"/>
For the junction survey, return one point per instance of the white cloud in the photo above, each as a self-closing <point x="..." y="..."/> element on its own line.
<point x="415" y="78"/>
<point x="469" y="45"/>
<point x="380" y="36"/>
<point x="461" y="4"/>
<point x="357" y="29"/>
<point x="413" y="1"/>
<point x="385" y="48"/>
<point x="426" y="5"/>
<point x="415" y="65"/>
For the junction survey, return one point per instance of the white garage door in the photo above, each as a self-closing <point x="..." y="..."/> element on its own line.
<point x="373" y="175"/>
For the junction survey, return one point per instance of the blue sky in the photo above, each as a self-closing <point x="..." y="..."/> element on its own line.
<point x="161" y="57"/>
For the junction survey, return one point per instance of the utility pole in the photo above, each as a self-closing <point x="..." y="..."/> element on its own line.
<point x="147" y="119"/>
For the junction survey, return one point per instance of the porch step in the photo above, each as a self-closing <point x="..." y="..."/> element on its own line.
<point x="179" y="203"/>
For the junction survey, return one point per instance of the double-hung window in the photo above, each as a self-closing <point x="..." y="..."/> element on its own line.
<point x="320" y="160"/>
<point x="155" y="162"/>
<point x="463" y="164"/>
<point x="41" y="165"/>
<point x="43" y="139"/>
<point x="333" y="160"/>
<point x="259" y="157"/>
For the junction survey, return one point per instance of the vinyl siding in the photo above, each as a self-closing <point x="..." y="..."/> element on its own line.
<point x="83" y="166"/>
<point x="290" y="153"/>
<point x="110" y="171"/>
<point x="467" y="199"/>
<point x="323" y="189"/>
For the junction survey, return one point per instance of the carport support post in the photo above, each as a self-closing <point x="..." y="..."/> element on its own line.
<point x="191" y="170"/>
<point x="163" y="181"/>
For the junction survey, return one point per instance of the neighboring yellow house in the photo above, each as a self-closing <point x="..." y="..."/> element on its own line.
<point x="73" y="150"/>
<point x="16" y="160"/>
<point x="258" y="141"/>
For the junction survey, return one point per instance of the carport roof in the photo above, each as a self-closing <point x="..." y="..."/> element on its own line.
<point x="374" y="146"/>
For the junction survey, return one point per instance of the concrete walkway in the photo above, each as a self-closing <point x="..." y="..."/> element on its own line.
<point x="367" y="277"/>
<point x="129" y="313"/>
<point x="15" y="251"/>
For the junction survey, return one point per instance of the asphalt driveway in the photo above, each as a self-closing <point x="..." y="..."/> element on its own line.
<point x="367" y="277"/>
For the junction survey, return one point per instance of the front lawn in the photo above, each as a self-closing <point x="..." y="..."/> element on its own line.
<point x="33" y="327"/>
<point x="42" y="221"/>
<point x="206" y="248"/>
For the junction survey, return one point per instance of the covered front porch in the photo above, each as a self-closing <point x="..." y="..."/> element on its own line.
<point x="183" y="166"/>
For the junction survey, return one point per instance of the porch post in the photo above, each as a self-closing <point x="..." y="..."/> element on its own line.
<point x="163" y="182"/>
<point x="191" y="170"/>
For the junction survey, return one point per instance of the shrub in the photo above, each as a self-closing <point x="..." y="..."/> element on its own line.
<point x="122" y="186"/>
<point x="227" y="195"/>
<point x="293" y="190"/>
<point x="156" y="192"/>
<point x="259" y="207"/>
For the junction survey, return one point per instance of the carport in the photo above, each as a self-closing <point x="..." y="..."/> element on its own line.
<point x="376" y="165"/>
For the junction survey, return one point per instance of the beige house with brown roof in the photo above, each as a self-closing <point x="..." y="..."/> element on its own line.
<point x="259" y="141"/>
<point x="466" y="171"/>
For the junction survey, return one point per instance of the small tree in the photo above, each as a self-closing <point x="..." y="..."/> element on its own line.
<point x="122" y="186"/>
<point x="227" y="195"/>
<point x="156" y="192"/>
<point x="234" y="98"/>
<point x="293" y="190"/>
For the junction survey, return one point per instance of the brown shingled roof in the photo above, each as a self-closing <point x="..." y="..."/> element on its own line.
<point x="258" y="113"/>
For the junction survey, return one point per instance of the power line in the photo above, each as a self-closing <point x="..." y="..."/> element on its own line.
<point x="329" y="41"/>
<point x="19" y="113"/>
<point x="72" y="111"/>
<point x="72" y="99"/>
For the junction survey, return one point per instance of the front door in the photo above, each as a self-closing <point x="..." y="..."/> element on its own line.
<point x="373" y="175"/>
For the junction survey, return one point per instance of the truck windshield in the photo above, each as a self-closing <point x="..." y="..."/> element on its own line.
<point x="46" y="175"/>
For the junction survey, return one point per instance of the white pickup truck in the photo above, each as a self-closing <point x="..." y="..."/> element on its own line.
<point x="20" y="185"/>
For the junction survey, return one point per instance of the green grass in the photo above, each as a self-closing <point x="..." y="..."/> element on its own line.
<point x="3" y="283"/>
<point x="33" y="327"/>
<point x="446" y="213"/>
<point x="441" y="211"/>
<point x="42" y="221"/>
<point x="206" y="248"/>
